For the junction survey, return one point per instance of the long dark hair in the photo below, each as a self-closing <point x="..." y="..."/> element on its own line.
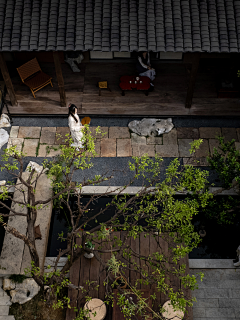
<point x="140" y="54"/>
<point x="71" y="111"/>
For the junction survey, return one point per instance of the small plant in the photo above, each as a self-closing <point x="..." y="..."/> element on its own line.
<point x="17" y="278"/>
<point x="89" y="245"/>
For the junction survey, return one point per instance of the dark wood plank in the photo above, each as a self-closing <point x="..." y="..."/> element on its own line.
<point x="58" y="67"/>
<point x="134" y="275"/>
<point x="153" y="249"/>
<point x="125" y="260"/>
<point x="187" y="292"/>
<point x="7" y="80"/>
<point x="144" y="251"/>
<point x="74" y="279"/>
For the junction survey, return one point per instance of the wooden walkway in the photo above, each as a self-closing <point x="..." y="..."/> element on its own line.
<point x="89" y="269"/>
<point x="168" y="98"/>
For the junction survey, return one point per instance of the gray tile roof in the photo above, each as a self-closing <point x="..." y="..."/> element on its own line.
<point x="120" y="25"/>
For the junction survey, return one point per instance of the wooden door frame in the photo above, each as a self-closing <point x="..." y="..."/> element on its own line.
<point x="60" y="80"/>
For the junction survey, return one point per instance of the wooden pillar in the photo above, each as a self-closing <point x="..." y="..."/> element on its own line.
<point x="195" y="58"/>
<point x="60" y="80"/>
<point x="7" y="80"/>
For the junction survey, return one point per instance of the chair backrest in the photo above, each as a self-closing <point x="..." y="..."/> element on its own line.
<point x="28" y="69"/>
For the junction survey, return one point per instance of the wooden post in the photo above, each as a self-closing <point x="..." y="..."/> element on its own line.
<point x="195" y="63"/>
<point x="7" y="80"/>
<point x="60" y="80"/>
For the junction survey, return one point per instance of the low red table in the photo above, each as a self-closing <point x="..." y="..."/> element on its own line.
<point x="130" y="83"/>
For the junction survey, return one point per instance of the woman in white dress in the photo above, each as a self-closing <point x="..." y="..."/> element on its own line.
<point x="75" y="127"/>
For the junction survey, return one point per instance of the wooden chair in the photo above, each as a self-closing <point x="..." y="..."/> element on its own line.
<point x="103" y="85"/>
<point x="32" y="75"/>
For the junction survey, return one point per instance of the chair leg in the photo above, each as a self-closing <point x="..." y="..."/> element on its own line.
<point x="33" y="94"/>
<point x="109" y="89"/>
<point x="51" y="83"/>
<point x="99" y="91"/>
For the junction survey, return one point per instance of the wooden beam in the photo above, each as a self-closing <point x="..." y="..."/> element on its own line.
<point x="7" y="80"/>
<point x="195" y="63"/>
<point x="60" y="80"/>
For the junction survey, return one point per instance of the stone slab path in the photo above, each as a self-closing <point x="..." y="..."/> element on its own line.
<point x="218" y="296"/>
<point x="119" y="142"/>
<point x="5" y="303"/>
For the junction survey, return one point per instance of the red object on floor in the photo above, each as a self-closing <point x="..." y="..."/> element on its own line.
<point x="128" y="83"/>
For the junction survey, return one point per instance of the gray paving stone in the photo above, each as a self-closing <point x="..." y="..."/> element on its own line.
<point x="229" y="134"/>
<point x="217" y="293"/>
<point x="209" y="132"/>
<point x="154" y="140"/>
<point x="187" y="133"/>
<point x="170" y="150"/>
<point x="229" y="303"/>
<point x="14" y="132"/>
<point x="7" y="318"/>
<point x="237" y="146"/>
<point x="206" y="303"/>
<point x="235" y="293"/>
<point x="4" y="310"/>
<point x="184" y="147"/>
<point x="228" y="284"/>
<point x="136" y="139"/>
<point x="196" y="162"/>
<point x="170" y="137"/>
<point x="220" y="313"/>
<point x="48" y="135"/>
<point x="5" y="301"/>
<point x="29" y="132"/>
<point x="203" y="150"/>
<point x="214" y="143"/>
<point x="30" y="147"/>
<point x="198" y="312"/>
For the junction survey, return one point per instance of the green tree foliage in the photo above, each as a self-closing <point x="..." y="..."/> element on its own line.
<point x="155" y="211"/>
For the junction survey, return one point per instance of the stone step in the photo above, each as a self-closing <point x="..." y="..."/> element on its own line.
<point x="4" y="310"/>
<point x="5" y="301"/>
<point x="7" y="318"/>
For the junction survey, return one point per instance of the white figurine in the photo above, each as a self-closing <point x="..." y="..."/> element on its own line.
<point x="75" y="127"/>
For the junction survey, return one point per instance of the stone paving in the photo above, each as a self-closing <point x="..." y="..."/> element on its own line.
<point x="119" y="142"/>
<point x="218" y="296"/>
<point x="5" y="303"/>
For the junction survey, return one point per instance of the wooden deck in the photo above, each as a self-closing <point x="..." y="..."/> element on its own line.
<point x="90" y="269"/>
<point x="168" y="98"/>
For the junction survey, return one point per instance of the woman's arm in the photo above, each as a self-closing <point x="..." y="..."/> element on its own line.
<point x="142" y="64"/>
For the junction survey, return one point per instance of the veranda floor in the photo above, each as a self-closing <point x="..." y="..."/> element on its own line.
<point x="168" y="98"/>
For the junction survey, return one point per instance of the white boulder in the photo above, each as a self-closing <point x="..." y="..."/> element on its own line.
<point x="151" y="127"/>
<point x="8" y="284"/>
<point x="24" y="291"/>
<point x="4" y="136"/>
<point x="33" y="165"/>
<point x="4" y="121"/>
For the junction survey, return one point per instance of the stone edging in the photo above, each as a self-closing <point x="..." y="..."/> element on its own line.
<point x="211" y="264"/>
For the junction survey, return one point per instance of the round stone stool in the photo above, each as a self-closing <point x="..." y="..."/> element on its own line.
<point x="98" y="306"/>
<point x="169" y="312"/>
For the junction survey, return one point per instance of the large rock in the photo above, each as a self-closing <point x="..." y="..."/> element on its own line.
<point x="33" y="165"/>
<point x="4" y="136"/>
<point x="4" y="121"/>
<point x="25" y="291"/>
<point x="8" y="284"/>
<point x="151" y="127"/>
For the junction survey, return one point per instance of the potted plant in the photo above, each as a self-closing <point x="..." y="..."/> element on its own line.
<point x="90" y="246"/>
